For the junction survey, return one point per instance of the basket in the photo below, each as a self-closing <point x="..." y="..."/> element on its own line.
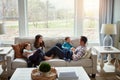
<point x="37" y="75"/>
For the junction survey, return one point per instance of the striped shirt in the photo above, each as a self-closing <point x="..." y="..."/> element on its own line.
<point x="79" y="52"/>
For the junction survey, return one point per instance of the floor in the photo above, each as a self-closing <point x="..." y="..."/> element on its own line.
<point x="108" y="75"/>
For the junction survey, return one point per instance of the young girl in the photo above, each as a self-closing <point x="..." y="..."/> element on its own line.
<point x="27" y="52"/>
<point x="34" y="57"/>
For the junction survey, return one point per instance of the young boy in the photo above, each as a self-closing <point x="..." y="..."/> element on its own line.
<point x="67" y="44"/>
<point x="67" y="48"/>
<point x="80" y="50"/>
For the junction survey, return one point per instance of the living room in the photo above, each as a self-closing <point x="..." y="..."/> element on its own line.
<point x="22" y="20"/>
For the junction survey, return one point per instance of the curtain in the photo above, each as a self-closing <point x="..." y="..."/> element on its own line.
<point x="106" y="10"/>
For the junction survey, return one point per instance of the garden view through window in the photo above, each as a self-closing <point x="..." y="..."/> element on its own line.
<point x="9" y="16"/>
<point x="51" y="18"/>
<point x="91" y="20"/>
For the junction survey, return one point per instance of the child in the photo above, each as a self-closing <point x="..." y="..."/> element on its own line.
<point x="27" y="52"/>
<point x="34" y="57"/>
<point x="67" y="48"/>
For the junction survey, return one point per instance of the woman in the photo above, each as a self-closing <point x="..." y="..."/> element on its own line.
<point x="40" y="47"/>
<point x="39" y="43"/>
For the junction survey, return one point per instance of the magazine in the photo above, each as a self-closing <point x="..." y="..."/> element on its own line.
<point x="67" y="76"/>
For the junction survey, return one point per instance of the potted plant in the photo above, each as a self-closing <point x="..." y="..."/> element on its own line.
<point x="45" y="68"/>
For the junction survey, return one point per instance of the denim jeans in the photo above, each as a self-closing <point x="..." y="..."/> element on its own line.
<point x="67" y="54"/>
<point x="36" y="58"/>
<point x="55" y="51"/>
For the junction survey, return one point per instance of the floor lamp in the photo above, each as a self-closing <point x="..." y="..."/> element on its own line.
<point x="2" y="31"/>
<point x="108" y="29"/>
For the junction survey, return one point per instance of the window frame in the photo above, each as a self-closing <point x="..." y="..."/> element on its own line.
<point x="78" y="18"/>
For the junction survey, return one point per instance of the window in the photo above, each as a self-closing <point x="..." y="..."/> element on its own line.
<point x="9" y="16"/>
<point x="51" y="18"/>
<point x="91" y="20"/>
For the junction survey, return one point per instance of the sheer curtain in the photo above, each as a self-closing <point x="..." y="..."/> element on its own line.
<point x="105" y="15"/>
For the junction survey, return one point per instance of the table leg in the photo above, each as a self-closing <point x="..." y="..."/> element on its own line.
<point x="102" y="63"/>
<point x="3" y="64"/>
<point x="116" y="64"/>
<point x="109" y="59"/>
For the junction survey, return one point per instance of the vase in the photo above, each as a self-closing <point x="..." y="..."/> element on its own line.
<point x="46" y="74"/>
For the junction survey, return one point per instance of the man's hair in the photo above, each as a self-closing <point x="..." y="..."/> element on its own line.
<point x="66" y="38"/>
<point x="84" y="39"/>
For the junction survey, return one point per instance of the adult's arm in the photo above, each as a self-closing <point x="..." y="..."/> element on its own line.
<point x="78" y="54"/>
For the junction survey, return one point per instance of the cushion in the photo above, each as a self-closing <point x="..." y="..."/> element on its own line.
<point x="81" y="62"/>
<point x="19" y="63"/>
<point x="56" y="62"/>
<point x="87" y="54"/>
<point x="18" y="48"/>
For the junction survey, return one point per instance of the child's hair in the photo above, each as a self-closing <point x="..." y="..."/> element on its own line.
<point x="26" y="44"/>
<point x="66" y="38"/>
<point x="84" y="39"/>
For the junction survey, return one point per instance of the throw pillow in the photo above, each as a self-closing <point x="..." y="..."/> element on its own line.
<point x="87" y="54"/>
<point x="18" y="49"/>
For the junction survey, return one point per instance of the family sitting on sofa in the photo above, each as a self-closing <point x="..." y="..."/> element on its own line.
<point x="65" y="51"/>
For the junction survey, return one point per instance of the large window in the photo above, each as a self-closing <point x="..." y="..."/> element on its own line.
<point x="91" y="20"/>
<point x="51" y="18"/>
<point x="9" y="16"/>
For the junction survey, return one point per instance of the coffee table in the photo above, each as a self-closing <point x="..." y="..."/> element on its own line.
<point x="25" y="73"/>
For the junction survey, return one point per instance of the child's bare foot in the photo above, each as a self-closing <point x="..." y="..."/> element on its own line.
<point x="52" y="56"/>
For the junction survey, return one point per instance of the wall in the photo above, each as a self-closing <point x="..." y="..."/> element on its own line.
<point x="116" y="19"/>
<point x="116" y="11"/>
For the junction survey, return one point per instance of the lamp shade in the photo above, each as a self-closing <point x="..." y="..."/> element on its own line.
<point x="2" y="28"/>
<point x="109" y="29"/>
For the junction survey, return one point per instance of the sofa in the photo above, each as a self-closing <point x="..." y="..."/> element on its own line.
<point x="89" y="64"/>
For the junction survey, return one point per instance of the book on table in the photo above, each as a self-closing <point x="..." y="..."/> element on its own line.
<point x="67" y="76"/>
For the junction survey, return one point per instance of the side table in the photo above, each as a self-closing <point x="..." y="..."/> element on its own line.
<point x="3" y="52"/>
<point x="102" y="51"/>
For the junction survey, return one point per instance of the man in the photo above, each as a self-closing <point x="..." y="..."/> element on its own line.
<point x="80" y="50"/>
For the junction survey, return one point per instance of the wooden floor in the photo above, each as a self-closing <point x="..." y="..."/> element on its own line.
<point x="108" y="75"/>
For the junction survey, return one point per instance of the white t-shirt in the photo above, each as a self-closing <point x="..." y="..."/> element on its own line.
<point x="25" y="51"/>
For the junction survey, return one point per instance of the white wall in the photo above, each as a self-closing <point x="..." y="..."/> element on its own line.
<point x="116" y="18"/>
<point x="116" y="11"/>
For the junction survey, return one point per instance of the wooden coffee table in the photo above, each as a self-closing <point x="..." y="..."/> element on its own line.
<point x="25" y="73"/>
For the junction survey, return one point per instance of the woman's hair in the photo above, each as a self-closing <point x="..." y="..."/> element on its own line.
<point x="37" y="44"/>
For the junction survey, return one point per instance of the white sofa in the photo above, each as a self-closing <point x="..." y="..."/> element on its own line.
<point x="89" y="64"/>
